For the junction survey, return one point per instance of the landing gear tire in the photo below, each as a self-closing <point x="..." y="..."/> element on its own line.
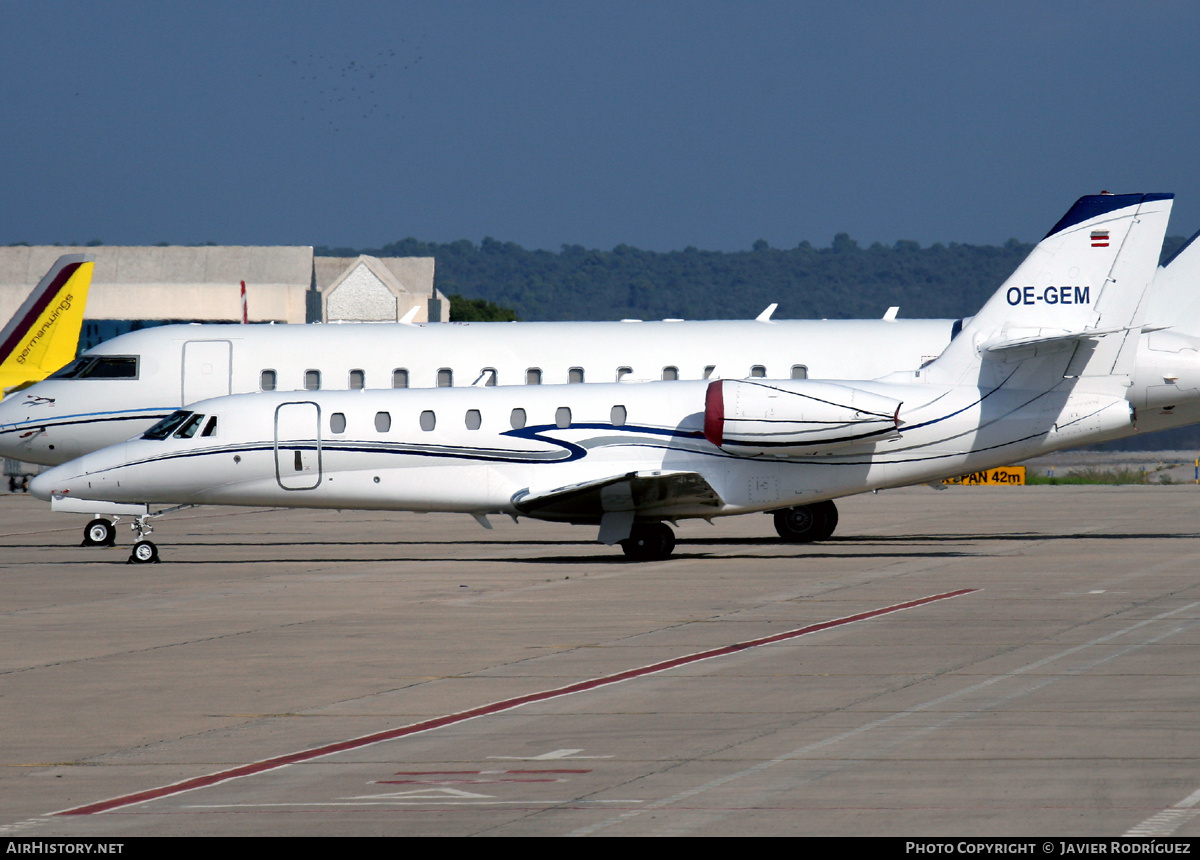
<point x="807" y="523"/>
<point x="144" y="552"/>
<point x="649" y="542"/>
<point x="99" y="532"/>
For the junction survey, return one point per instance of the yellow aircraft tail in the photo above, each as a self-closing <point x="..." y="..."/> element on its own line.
<point x="43" y="334"/>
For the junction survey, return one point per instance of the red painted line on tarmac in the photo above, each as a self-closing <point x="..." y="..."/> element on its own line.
<point x="493" y="708"/>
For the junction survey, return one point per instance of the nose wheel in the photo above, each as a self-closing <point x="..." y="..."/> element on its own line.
<point x="99" y="532"/>
<point x="144" y="552"/>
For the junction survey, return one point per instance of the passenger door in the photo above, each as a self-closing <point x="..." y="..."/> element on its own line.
<point x="298" y="445"/>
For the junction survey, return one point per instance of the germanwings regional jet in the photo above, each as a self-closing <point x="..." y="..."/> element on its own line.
<point x="43" y="334"/>
<point x="1049" y="362"/>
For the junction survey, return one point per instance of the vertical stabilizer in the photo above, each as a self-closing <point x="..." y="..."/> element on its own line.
<point x="1081" y="296"/>
<point x="43" y="335"/>
<point x="1174" y="300"/>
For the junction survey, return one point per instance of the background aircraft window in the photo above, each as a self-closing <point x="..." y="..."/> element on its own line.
<point x="266" y="380"/>
<point x="164" y="428"/>
<point x="428" y="420"/>
<point x="708" y="371"/>
<point x="358" y="379"/>
<point x="210" y="429"/>
<point x="799" y="371"/>
<point x="100" y="367"/>
<point x="400" y="378"/>
<point x="337" y="422"/>
<point x="188" y="429"/>
<point x="622" y="372"/>
<point x="517" y="419"/>
<point x="312" y="380"/>
<point x="758" y="372"/>
<point x="617" y="416"/>
<point x="670" y="373"/>
<point x="562" y="417"/>
<point x="533" y="376"/>
<point x="445" y="377"/>
<point x="383" y="421"/>
<point x="473" y="419"/>
<point x="487" y="375"/>
<point x="575" y="374"/>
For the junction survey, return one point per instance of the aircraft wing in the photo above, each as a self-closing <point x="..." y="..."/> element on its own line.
<point x="617" y="500"/>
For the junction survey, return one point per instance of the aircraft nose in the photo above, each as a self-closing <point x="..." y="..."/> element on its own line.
<point x="55" y="480"/>
<point x="78" y="477"/>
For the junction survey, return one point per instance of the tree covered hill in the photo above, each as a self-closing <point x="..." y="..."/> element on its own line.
<point x="842" y="281"/>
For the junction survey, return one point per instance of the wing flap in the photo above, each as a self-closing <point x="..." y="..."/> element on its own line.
<point x="645" y="494"/>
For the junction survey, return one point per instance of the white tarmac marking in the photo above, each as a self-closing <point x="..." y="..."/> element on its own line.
<point x="1165" y="823"/>
<point x="557" y="755"/>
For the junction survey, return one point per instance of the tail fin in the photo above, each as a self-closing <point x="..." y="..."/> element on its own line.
<point x="1081" y="295"/>
<point x="44" y="333"/>
<point x="1174" y="300"/>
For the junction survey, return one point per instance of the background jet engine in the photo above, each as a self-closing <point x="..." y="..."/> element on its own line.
<point x="788" y="417"/>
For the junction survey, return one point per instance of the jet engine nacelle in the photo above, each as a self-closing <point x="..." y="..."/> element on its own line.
<point x="793" y="417"/>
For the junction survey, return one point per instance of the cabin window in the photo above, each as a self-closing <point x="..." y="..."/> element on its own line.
<point x="487" y="376"/>
<point x="428" y="420"/>
<point x="337" y="422"/>
<point x="445" y="377"/>
<point x="188" y="428"/>
<point x="562" y="417"/>
<point x="400" y="377"/>
<point x="210" y="429"/>
<point x="622" y="372"/>
<point x="708" y="371"/>
<point x="670" y="373"/>
<point x="517" y="419"/>
<point x="799" y="371"/>
<point x="358" y="379"/>
<point x="473" y="419"/>
<point x="312" y="380"/>
<point x="266" y="380"/>
<point x="533" y="376"/>
<point x="383" y="421"/>
<point x="167" y="426"/>
<point x="617" y="416"/>
<point x="758" y="372"/>
<point x="575" y="374"/>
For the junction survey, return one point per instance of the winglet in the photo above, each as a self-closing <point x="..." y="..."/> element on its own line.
<point x="765" y="316"/>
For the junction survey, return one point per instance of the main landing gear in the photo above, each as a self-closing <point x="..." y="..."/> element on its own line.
<point x="649" y="542"/>
<point x="807" y="523"/>
<point x="100" y="532"/>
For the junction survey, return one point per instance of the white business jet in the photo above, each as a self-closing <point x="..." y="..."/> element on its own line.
<point x="1046" y="364"/>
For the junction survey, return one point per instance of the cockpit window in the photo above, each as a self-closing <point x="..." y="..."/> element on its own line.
<point x="100" y="367"/>
<point x="188" y="428"/>
<point x="168" y="425"/>
<point x="211" y="427"/>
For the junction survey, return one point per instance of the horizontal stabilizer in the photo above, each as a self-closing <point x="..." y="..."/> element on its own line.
<point x="1025" y="347"/>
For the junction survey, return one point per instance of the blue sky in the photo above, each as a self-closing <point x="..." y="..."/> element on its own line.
<point x="655" y="124"/>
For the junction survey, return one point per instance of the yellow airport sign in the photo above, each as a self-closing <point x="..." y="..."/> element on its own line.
<point x="1007" y="475"/>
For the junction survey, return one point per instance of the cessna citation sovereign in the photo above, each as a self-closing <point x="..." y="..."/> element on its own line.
<point x="1047" y="363"/>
